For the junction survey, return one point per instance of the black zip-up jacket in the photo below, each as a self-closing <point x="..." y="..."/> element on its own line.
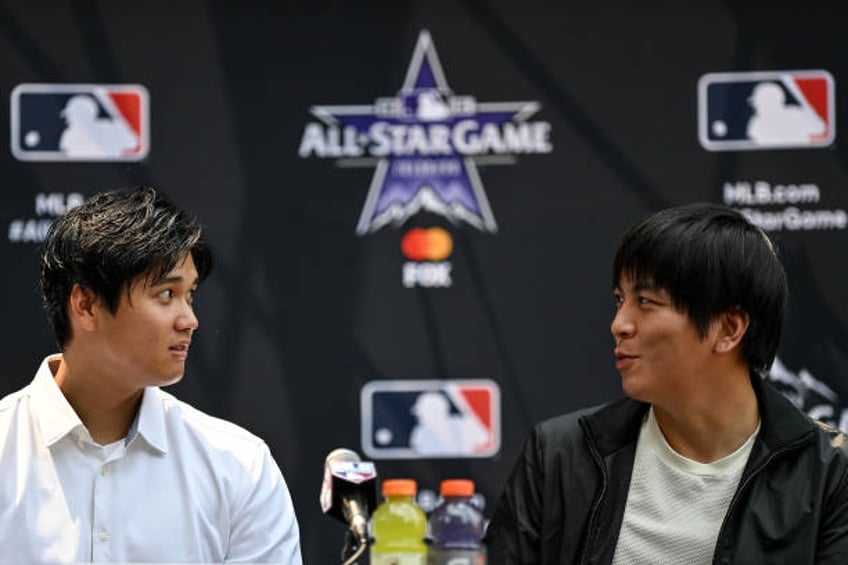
<point x="564" y="501"/>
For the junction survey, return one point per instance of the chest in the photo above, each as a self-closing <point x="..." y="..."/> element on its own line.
<point x="76" y="502"/>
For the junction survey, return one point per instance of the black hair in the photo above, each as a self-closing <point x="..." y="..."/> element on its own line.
<point x="711" y="259"/>
<point x="109" y="242"/>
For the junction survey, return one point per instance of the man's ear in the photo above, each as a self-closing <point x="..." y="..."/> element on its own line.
<point x="732" y="325"/>
<point x="81" y="308"/>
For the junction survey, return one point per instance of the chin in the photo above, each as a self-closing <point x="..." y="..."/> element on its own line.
<point x="634" y="391"/>
<point x="167" y="381"/>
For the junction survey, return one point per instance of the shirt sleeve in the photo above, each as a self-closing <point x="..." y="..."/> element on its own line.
<point x="263" y="525"/>
<point x="513" y="535"/>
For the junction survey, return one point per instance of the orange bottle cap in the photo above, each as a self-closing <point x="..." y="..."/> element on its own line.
<point x="400" y="487"/>
<point x="457" y="487"/>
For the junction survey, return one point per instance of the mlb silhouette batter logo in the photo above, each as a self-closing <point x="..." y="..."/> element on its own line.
<point x="80" y="122"/>
<point x="430" y="419"/>
<point x="766" y="110"/>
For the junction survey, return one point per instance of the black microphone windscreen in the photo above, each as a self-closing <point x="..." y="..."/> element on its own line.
<point x="346" y="476"/>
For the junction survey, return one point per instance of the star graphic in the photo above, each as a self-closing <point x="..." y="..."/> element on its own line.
<point x="414" y="134"/>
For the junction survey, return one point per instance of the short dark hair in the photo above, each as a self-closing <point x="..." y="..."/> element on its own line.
<point x="711" y="259"/>
<point x="111" y="240"/>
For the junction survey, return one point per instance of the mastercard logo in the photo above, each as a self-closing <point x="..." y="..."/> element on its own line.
<point x="427" y="244"/>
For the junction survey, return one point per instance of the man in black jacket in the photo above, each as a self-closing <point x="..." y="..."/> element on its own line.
<point x="703" y="462"/>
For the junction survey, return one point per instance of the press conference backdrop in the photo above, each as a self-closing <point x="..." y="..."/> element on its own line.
<point x="414" y="205"/>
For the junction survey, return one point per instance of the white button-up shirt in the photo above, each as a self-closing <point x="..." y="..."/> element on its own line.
<point x="182" y="487"/>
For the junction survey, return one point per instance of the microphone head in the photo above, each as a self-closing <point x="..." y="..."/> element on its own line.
<point x="342" y="454"/>
<point x="347" y="476"/>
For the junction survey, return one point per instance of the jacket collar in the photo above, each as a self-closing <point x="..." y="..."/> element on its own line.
<point x="616" y="425"/>
<point x="782" y="422"/>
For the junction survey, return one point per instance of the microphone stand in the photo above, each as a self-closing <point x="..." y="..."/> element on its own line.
<point x="357" y="535"/>
<point x="354" y="548"/>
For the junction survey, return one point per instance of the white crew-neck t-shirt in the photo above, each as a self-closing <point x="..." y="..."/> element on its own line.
<point x="675" y="506"/>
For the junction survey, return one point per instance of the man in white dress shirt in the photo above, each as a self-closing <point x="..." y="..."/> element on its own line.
<point x="98" y="463"/>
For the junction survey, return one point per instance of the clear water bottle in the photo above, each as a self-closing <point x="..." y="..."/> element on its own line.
<point x="457" y="527"/>
<point x="399" y="526"/>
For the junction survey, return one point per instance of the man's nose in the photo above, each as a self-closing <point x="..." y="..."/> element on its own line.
<point x="187" y="320"/>
<point x="622" y="325"/>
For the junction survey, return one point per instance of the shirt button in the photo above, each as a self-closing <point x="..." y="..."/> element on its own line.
<point x="104" y="536"/>
<point x="104" y="470"/>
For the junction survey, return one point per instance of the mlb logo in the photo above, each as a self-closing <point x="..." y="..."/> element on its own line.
<point x="766" y="110"/>
<point x="80" y="122"/>
<point x="431" y="419"/>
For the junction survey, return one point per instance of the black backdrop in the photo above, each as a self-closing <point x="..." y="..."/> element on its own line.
<point x="302" y="312"/>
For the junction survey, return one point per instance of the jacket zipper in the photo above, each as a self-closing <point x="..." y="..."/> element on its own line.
<point x="597" y="502"/>
<point x="744" y="486"/>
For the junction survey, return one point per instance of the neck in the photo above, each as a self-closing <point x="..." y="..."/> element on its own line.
<point x="106" y="411"/>
<point x="713" y="421"/>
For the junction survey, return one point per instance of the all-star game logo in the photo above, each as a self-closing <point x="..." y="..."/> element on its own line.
<point x="425" y="144"/>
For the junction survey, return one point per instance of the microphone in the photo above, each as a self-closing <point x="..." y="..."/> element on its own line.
<point x="349" y="490"/>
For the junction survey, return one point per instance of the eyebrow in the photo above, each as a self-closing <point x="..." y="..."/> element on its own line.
<point x="646" y="285"/>
<point x="174" y="279"/>
<point x="641" y="285"/>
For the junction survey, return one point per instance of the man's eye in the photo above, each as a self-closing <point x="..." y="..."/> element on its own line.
<point x="166" y="294"/>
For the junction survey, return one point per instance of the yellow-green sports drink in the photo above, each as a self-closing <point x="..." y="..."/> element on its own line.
<point x="399" y="526"/>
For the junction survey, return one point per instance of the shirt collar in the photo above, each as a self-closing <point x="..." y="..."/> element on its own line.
<point x="57" y="417"/>
<point x="150" y="422"/>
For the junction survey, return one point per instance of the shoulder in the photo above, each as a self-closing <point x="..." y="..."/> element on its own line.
<point x="832" y="442"/>
<point x="558" y="430"/>
<point x="562" y="433"/>
<point x="607" y="428"/>
<point x="565" y="424"/>
<point x="830" y="460"/>
<point x="13" y="403"/>
<point x="784" y="424"/>
<point x="823" y="454"/>
<point x="13" y="400"/>
<point x="597" y="419"/>
<point x="195" y="430"/>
